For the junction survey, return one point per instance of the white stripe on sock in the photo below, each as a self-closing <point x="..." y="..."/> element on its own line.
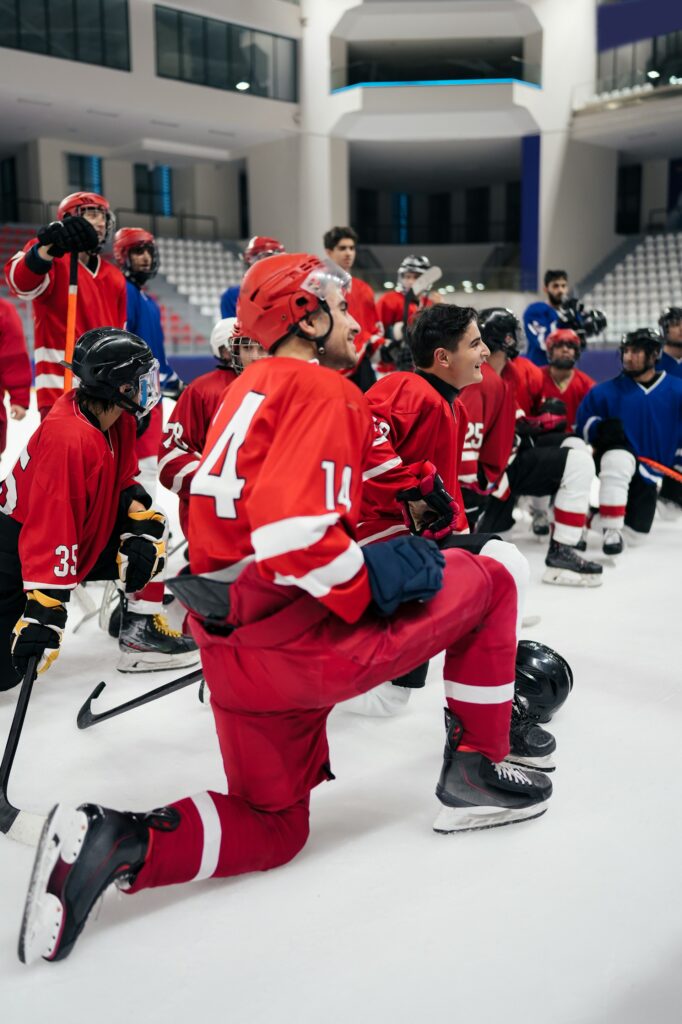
<point x="212" y="835"/>
<point x="479" y="694"/>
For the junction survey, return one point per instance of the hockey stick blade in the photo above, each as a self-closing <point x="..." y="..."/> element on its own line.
<point x="86" y="717"/>
<point x="426" y="281"/>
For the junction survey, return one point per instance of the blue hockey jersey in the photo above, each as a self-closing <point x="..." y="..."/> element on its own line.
<point x="538" y="321"/>
<point x="670" y="365"/>
<point x="651" y="418"/>
<point x="144" y="319"/>
<point x="228" y="301"/>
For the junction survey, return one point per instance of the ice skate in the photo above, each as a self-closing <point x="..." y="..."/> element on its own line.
<point x="669" y="510"/>
<point x="476" y="793"/>
<point x="383" y="701"/>
<point x="530" y="744"/>
<point x="82" y="851"/>
<point x="566" y="568"/>
<point x="540" y="524"/>
<point x="612" y="543"/>
<point x="148" y="644"/>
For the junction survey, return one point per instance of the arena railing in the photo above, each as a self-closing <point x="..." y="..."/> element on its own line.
<point x="451" y="70"/>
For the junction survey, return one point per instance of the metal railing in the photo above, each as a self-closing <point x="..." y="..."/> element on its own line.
<point x="180" y="225"/>
<point x="616" y="89"/>
<point x="454" y="280"/>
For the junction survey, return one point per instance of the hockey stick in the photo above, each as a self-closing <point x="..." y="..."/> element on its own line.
<point x="665" y="470"/>
<point x="20" y="825"/>
<point x="72" y="305"/>
<point x="87" y="605"/>
<point x="86" y="718"/>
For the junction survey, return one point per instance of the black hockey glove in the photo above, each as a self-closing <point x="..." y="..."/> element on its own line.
<point x="428" y="509"/>
<point x="142" y="554"/>
<point x="39" y="631"/>
<point x="610" y="434"/>
<point x="403" y="569"/>
<point x="173" y="388"/>
<point x="73" y="234"/>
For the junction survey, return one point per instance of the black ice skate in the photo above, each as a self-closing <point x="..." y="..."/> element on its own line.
<point x="540" y="525"/>
<point x="82" y="851"/>
<point x="148" y="644"/>
<point x="529" y="744"/>
<point x="476" y="793"/>
<point x="566" y="568"/>
<point x="612" y="543"/>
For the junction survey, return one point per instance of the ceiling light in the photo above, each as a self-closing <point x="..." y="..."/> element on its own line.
<point x="449" y="288"/>
<point x="389" y="284"/>
<point x="243" y="86"/>
<point x="480" y="287"/>
<point x="649" y="74"/>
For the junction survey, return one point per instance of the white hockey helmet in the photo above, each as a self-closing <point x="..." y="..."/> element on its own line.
<point x="413" y="265"/>
<point x="221" y="335"/>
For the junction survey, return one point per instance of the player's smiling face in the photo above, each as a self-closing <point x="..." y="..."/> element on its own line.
<point x="463" y="366"/>
<point x="340" y="352"/>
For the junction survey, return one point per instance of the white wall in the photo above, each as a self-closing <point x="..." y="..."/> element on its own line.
<point x="273" y="174"/>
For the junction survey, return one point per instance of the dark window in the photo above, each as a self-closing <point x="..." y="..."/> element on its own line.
<point x="629" y="199"/>
<point x="439" y="218"/>
<point x="154" y="189"/>
<point x="91" y="31"/>
<point x="8" y="189"/>
<point x="512" y="219"/>
<point x="367" y="214"/>
<point x="206" y="51"/>
<point x="477" y="216"/>
<point x="85" y="173"/>
<point x="244" y="229"/>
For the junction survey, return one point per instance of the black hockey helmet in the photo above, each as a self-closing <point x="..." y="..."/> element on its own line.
<point x="543" y="677"/>
<point x="106" y="359"/>
<point x="671" y="315"/>
<point x="645" y="338"/>
<point x="500" y="330"/>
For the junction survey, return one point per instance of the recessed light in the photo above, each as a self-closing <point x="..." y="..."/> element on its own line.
<point x="243" y="86"/>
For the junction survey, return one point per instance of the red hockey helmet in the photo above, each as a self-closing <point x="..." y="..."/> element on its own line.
<point x="127" y="239"/>
<point x="277" y="293"/>
<point x="564" y="336"/>
<point x="258" y="247"/>
<point x="77" y="202"/>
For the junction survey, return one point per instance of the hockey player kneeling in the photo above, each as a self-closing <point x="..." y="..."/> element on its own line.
<point x="71" y="508"/>
<point x="293" y="616"/>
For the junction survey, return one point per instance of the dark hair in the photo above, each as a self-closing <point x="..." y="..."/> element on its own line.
<point x="439" y="326"/>
<point x="554" y="275"/>
<point x="334" y="235"/>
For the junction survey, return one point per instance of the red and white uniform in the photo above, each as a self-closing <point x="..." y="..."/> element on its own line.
<point x="15" y="366"/>
<point x="572" y="395"/>
<point x="526" y="381"/>
<point x="362" y="307"/>
<point x="185" y="434"/>
<point x="274" y="507"/>
<point x="101" y="303"/>
<point x="414" y="423"/>
<point x="489" y="439"/>
<point x="64" y="489"/>
<point x="391" y="310"/>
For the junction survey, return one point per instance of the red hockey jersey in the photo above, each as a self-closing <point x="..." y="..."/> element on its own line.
<point x="391" y="307"/>
<point x="64" y="489"/>
<point x="489" y="438"/>
<point x="185" y="434"/>
<point x="362" y="307"/>
<point x="101" y="303"/>
<point x="280" y="482"/>
<point x="572" y="395"/>
<point x="15" y="366"/>
<point x="525" y="380"/>
<point x="414" y="423"/>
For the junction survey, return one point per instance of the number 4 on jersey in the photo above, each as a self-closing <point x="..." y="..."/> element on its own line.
<point x="217" y="475"/>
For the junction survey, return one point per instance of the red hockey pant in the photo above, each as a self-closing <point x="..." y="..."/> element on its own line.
<point x="275" y="679"/>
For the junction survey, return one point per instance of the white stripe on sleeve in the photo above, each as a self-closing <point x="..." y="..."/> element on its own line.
<point x="174" y="453"/>
<point x="318" y="582"/>
<point x="293" y="534"/>
<point x="588" y="427"/>
<point x="479" y="694"/>
<point x="42" y="354"/>
<point x="383" y="468"/>
<point x="179" y="477"/>
<point x="49" y="380"/>
<point x="36" y="291"/>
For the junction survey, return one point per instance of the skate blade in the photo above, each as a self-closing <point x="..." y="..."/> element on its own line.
<point x="41" y="926"/>
<point x="540" y="764"/>
<point x="137" y="661"/>
<point x="568" y="578"/>
<point x="473" y="819"/>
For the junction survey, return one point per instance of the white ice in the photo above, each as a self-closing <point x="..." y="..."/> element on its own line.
<point x="573" y="918"/>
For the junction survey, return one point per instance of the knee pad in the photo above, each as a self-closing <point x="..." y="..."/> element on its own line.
<point x="579" y="470"/>
<point x="518" y="568"/>
<point x="577" y="443"/>
<point x="618" y="466"/>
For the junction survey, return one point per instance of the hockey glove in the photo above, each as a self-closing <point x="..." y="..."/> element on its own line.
<point x="403" y="569"/>
<point x="428" y="509"/>
<point x="610" y="434"/>
<point x="552" y="418"/>
<point x="39" y="632"/>
<point x="142" y="554"/>
<point x="73" y="234"/>
<point x="481" y="485"/>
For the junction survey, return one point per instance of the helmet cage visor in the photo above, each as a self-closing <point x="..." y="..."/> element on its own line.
<point x="109" y="219"/>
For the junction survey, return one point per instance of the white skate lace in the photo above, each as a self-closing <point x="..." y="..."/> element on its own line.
<point x="506" y="773"/>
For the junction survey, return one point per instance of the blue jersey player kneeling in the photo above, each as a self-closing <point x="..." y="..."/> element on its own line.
<point x="636" y="415"/>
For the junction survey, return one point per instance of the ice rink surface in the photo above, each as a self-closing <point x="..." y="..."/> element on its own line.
<point x="575" y="917"/>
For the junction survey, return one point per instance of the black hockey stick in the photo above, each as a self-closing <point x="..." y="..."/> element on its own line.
<point x="20" y="825"/>
<point x="86" y="717"/>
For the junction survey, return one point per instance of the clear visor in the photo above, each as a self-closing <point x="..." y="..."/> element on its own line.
<point x="149" y="388"/>
<point x="109" y="218"/>
<point x="323" y="281"/>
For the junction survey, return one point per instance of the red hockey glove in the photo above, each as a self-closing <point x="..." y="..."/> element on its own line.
<point x="142" y="554"/>
<point x="428" y="510"/>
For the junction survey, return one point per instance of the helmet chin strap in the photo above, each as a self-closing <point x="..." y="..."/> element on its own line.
<point x="323" y="338"/>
